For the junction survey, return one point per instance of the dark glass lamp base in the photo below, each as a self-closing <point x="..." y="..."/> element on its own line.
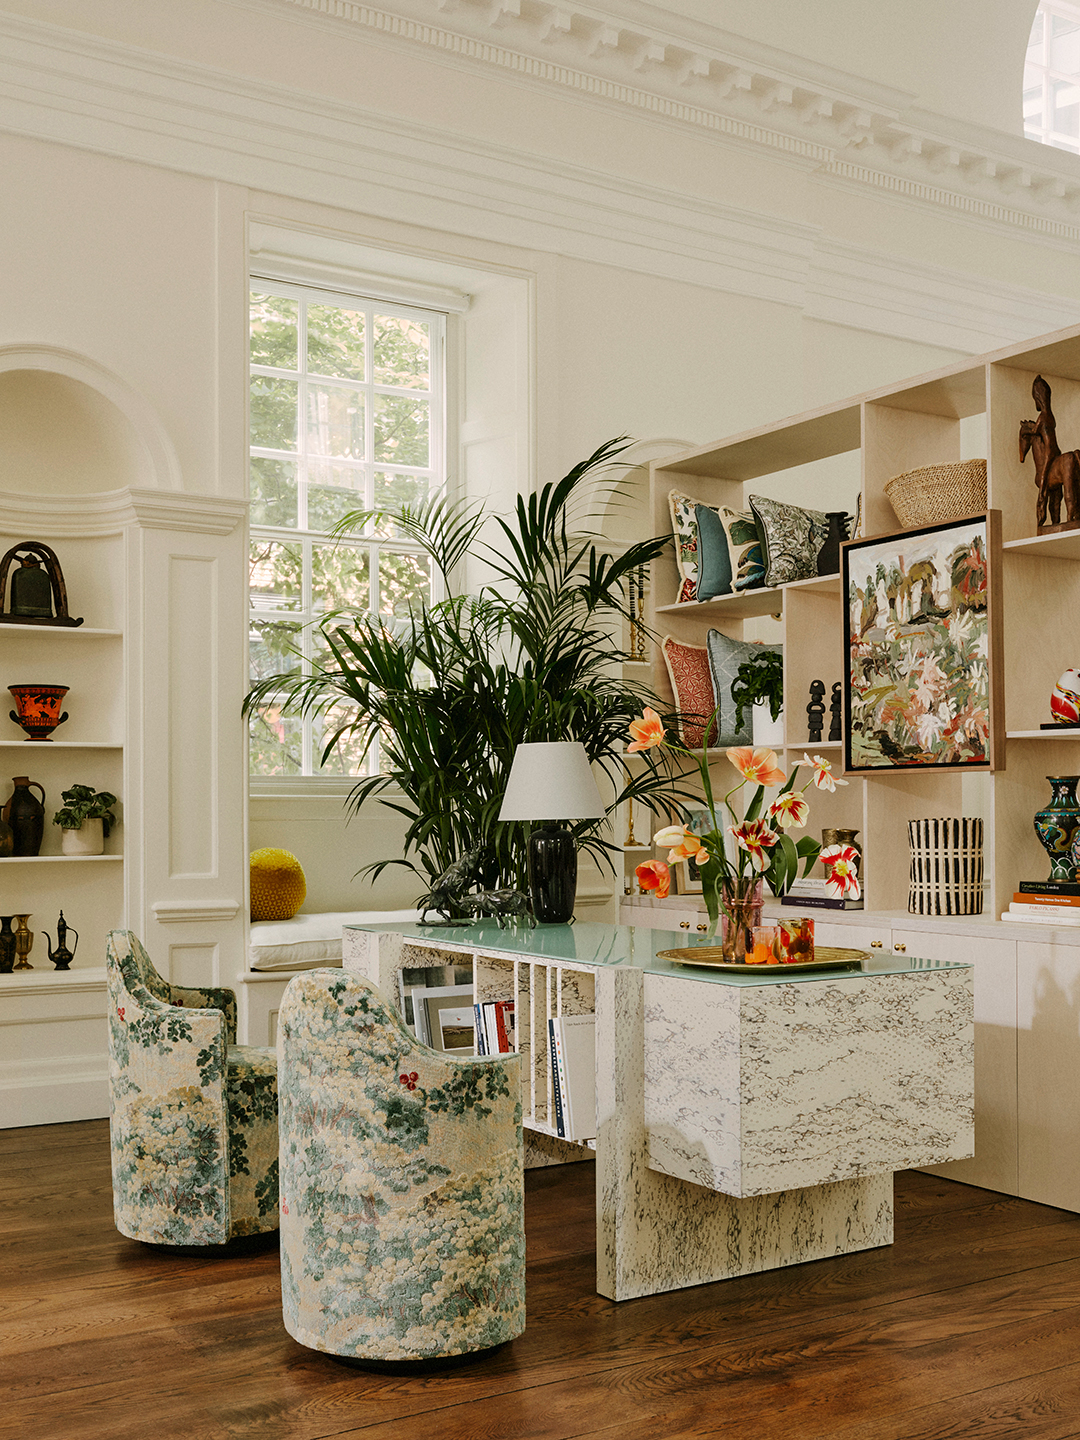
<point x="552" y="874"/>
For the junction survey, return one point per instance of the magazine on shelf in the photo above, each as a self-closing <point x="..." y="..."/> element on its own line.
<point x="572" y="1045"/>
<point x="429" y="1002"/>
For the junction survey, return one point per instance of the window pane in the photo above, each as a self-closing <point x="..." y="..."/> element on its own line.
<point x="401" y="429"/>
<point x="335" y="421"/>
<point x="334" y="491"/>
<point x="339" y="577"/>
<point x="335" y="342"/>
<point x="271" y="647"/>
<point x="276" y="742"/>
<point x="273" y="331"/>
<point x="273" y="412"/>
<point x="347" y="756"/>
<point x="402" y="352"/>
<point x="1033" y="104"/>
<point x="404" y="583"/>
<point x="276" y="575"/>
<point x="1065" y="102"/>
<point x="392" y="491"/>
<point x="1064" y="45"/>
<point x="273" y="492"/>
<point x="1035" y="39"/>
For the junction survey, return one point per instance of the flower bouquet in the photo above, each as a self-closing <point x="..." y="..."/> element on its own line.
<point x="732" y="887"/>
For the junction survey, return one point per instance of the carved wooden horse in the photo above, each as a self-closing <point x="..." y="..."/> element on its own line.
<point x="1057" y="475"/>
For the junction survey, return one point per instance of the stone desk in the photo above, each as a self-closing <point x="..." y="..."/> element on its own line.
<point x="744" y="1121"/>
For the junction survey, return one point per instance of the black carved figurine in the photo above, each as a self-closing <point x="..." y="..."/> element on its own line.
<point x="815" y="711"/>
<point x="834" y="711"/>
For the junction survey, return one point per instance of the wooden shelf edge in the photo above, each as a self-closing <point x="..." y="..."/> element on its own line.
<point x="43" y="859"/>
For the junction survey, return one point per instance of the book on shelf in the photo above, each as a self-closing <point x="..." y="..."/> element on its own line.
<point x="572" y="1055"/>
<point x="437" y="1012"/>
<point x="821" y="902"/>
<point x="495" y="1027"/>
<point x="1049" y="887"/>
<point x="1045" y="902"/>
<point x="808" y="885"/>
<point x="1036" y="915"/>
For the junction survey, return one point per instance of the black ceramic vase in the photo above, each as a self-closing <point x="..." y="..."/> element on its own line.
<point x="828" y="560"/>
<point x="25" y="814"/>
<point x="552" y="874"/>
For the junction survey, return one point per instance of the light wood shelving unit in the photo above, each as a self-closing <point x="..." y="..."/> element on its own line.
<point x="896" y="429"/>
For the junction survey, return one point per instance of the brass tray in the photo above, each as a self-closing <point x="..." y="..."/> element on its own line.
<point x="711" y="957"/>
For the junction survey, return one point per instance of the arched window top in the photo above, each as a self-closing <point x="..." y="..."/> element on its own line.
<point x="1052" y="76"/>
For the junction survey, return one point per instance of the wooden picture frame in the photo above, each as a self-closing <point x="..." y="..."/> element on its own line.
<point x="922" y="646"/>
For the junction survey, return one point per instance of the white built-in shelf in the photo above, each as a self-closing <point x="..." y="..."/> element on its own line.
<point x="1070" y="734"/>
<point x="61" y="744"/>
<point x="38" y="630"/>
<point x="1065" y="545"/>
<point x="52" y="859"/>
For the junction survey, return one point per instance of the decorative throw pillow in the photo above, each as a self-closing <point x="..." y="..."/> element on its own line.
<point x="792" y="538"/>
<point x="688" y="667"/>
<point x="714" y="558"/>
<point x="725" y="657"/>
<point x="278" y="886"/>
<point x="745" y="555"/>
<point x="685" y="530"/>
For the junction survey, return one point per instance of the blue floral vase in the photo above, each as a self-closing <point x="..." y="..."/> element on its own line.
<point x="1058" y="823"/>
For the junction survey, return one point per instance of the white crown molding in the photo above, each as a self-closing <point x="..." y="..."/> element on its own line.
<point x="108" y="97"/>
<point x="633" y="55"/>
<point x="108" y="512"/>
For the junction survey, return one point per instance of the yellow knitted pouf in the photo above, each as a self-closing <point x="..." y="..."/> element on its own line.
<point x="278" y="886"/>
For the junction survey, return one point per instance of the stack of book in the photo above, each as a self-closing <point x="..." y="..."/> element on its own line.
<point x="1045" y="902"/>
<point x="495" y="1027"/>
<point x="813" y="893"/>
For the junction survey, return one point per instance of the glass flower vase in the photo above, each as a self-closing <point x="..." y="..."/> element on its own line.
<point x="741" y="900"/>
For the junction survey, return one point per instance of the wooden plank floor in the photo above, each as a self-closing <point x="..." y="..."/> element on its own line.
<point x="969" y="1325"/>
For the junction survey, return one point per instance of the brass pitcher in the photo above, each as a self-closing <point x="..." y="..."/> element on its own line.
<point x="24" y="943"/>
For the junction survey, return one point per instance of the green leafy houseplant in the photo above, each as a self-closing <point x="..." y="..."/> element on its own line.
<point x="454" y="689"/>
<point x="759" y="679"/>
<point x="81" y="803"/>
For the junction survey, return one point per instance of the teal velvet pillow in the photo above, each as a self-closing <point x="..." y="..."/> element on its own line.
<point x="725" y="657"/>
<point x="714" y="558"/>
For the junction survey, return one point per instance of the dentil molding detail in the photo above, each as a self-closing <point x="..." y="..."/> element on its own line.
<point x="700" y="76"/>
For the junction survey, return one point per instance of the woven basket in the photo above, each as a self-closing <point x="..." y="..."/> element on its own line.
<point x="938" y="492"/>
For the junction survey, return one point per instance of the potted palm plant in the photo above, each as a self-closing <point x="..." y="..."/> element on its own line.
<point x="452" y="691"/>
<point x="85" y="819"/>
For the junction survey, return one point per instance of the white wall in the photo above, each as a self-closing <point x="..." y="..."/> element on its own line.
<point x="702" y="230"/>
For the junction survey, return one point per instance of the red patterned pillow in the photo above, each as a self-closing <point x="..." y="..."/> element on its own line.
<point x="691" y="680"/>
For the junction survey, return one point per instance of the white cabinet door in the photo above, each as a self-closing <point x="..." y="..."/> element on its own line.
<point x="1048" y="1072"/>
<point x="995" y="1164"/>
<point x="875" y="938"/>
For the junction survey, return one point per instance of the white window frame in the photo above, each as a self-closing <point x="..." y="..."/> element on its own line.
<point x="305" y="616"/>
<point x="1038" y="71"/>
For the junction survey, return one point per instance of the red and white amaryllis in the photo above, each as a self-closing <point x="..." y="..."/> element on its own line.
<point x="840" y="861"/>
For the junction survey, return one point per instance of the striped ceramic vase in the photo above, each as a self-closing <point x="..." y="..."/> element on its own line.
<point x="946" y="866"/>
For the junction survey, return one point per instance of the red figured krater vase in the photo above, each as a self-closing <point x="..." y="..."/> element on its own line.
<point x="38" y="709"/>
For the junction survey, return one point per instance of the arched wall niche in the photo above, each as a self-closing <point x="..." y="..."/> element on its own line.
<point x="70" y="427"/>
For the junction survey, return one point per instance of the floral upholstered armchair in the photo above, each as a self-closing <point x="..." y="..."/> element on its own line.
<point x="402" y="1216"/>
<point x="193" y="1115"/>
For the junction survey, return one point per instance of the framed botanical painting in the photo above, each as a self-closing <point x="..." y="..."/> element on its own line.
<point x="923" y="648"/>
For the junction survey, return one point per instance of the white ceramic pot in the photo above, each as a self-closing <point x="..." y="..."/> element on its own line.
<point x="89" y="839"/>
<point x="767" y="731"/>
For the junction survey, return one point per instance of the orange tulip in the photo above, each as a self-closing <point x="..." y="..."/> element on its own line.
<point x="654" y="875"/>
<point x="757" y="765"/>
<point x="648" y="732"/>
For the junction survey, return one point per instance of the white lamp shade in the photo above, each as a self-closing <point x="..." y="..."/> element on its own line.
<point x="551" y="780"/>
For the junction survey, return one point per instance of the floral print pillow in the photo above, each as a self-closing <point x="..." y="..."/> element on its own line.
<point x="791" y="538"/>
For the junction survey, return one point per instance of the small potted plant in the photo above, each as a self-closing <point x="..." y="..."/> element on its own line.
<point x="759" y="684"/>
<point x="85" y="819"/>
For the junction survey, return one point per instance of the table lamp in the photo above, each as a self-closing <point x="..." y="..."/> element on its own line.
<point x="551" y="781"/>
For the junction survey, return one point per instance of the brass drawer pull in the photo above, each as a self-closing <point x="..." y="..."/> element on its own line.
<point x="684" y="924"/>
<point x="900" y="948"/>
<point x="875" y="944"/>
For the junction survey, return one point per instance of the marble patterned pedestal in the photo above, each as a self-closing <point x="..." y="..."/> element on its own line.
<point x="740" y="1126"/>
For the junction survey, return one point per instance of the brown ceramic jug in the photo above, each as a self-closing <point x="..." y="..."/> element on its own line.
<point x="26" y="816"/>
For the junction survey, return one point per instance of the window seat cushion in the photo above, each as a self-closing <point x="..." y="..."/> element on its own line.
<point x="307" y="941"/>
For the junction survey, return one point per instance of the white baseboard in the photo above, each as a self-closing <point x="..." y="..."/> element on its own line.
<point x="52" y="1091"/>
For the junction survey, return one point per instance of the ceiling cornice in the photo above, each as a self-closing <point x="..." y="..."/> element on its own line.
<point x="633" y="55"/>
